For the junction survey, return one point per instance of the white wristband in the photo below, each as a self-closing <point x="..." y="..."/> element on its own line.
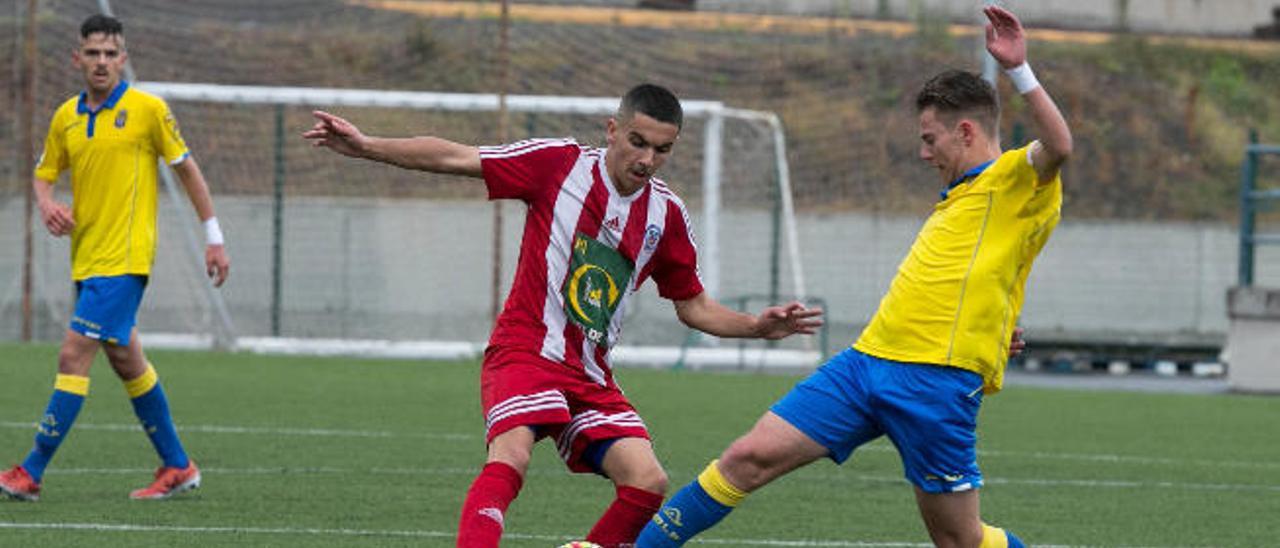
<point x="212" y="232"/>
<point x="1023" y="79"/>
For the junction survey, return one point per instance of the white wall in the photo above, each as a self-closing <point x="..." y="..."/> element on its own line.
<point x="407" y="269"/>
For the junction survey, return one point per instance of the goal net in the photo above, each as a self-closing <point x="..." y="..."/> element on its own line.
<point x="335" y="255"/>
<point x="320" y="273"/>
<point x="339" y="255"/>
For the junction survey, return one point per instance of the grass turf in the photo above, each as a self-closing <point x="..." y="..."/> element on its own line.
<point x="348" y="452"/>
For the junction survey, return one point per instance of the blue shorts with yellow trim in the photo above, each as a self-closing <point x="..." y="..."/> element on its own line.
<point x="107" y="307"/>
<point x="929" y="412"/>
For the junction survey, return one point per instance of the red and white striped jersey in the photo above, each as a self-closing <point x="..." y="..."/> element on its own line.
<point x="586" y="250"/>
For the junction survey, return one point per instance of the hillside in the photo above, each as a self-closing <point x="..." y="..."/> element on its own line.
<point x="1159" y="124"/>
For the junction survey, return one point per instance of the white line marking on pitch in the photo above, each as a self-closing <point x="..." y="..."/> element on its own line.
<point x="1085" y="457"/>
<point x="117" y="527"/>
<point x="877" y="447"/>
<point x="130" y="528"/>
<point x="212" y="429"/>
<point x="267" y="470"/>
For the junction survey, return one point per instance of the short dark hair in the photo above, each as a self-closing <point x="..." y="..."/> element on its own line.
<point x="105" y="24"/>
<point x="956" y="93"/>
<point x="653" y="101"/>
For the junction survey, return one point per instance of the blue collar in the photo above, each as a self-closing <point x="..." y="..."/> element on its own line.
<point x="973" y="172"/>
<point x="82" y="107"/>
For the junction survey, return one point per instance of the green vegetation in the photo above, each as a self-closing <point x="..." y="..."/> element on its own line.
<point x="346" y="452"/>
<point x="1159" y="125"/>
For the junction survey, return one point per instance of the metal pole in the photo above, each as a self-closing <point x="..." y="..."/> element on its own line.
<point x="1248" y="174"/>
<point x="712" y="142"/>
<point x="988" y="62"/>
<point x="775" y="254"/>
<point x="27" y="150"/>
<point x="504" y="62"/>
<point x="775" y="242"/>
<point x="277" y="228"/>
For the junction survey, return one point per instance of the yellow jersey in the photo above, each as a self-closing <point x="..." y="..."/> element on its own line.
<point x="111" y="152"/>
<point x="957" y="295"/>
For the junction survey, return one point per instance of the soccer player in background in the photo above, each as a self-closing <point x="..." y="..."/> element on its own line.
<point x="941" y="337"/>
<point x="598" y="225"/>
<point x="110" y="137"/>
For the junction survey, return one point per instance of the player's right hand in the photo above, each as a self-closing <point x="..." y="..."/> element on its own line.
<point x="57" y="218"/>
<point x="336" y="134"/>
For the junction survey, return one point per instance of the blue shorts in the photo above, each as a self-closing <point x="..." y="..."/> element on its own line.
<point x="929" y="412"/>
<point x="107" y="307"/>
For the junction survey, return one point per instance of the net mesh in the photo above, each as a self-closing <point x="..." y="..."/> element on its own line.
<point x="363" y="245"/>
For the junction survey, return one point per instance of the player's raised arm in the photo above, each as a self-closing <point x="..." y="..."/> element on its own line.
<point x="775" y="322"/>
<point x="1007" y="43"/>
<point x="422" y="153"/>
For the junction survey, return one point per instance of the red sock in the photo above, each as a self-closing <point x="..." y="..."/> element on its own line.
<point x="624" y="519"/>
<point x="487" y="500"/>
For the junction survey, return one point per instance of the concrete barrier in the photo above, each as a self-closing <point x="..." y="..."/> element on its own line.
<point x="1253" y="340"/>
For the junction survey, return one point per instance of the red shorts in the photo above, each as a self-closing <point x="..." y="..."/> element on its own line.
<point x="520" y="388"/>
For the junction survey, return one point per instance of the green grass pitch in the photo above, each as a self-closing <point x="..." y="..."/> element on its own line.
<point x="302" y="451"/>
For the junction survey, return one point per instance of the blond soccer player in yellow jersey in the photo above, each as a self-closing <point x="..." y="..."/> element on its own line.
<point x="110" y="137"/>
<point x="941" y="336"/>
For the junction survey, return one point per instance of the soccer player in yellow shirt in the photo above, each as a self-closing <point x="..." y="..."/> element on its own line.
<point x="110" y="137"/>
<point x="941" y="337"/>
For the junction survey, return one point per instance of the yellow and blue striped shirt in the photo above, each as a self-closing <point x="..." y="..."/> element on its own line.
<point x="111" y="152"/>
<point x="958" y="293"/>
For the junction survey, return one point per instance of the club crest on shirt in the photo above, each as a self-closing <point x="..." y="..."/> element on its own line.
<point x="122" y="118"/>
<point x="598" y="278"/>
<point x="651" y="237"/>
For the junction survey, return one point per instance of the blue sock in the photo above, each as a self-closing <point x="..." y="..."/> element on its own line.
<point x="690" y="511"/>
<point x="1014" y="541"/>
<point x="152" y="409"/>
<point x="69" y="392"/>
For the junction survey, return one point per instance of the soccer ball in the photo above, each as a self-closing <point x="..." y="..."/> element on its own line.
<point x="580" y="544"/>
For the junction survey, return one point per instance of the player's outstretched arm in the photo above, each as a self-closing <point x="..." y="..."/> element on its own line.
<point x="216" y="263"/>
<point x="1007" y="43"/>
<point x="422" y="153"/>
<point x="775" y="322"/>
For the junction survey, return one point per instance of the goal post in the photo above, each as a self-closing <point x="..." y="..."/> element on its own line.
<point x="713" y="116"/>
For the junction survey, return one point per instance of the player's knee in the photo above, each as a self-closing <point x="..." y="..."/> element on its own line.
<point x="512" y="449"/>
<point x="72" y="360"/>
<point x="653" y="480"/>
<point x="746" y="464"/>
<point x="657" y="482"/>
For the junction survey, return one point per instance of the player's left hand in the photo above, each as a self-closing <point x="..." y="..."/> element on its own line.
<point x="1005" y="38"/>
<point x="216" y="264"/>
<point x="777" y="322"/>
<point x="1017" y="344"/>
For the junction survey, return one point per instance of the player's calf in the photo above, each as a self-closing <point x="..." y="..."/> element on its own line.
<point x="693" y="509"/>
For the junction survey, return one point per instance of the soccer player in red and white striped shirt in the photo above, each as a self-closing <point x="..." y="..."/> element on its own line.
<point x="598" y="225"/>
